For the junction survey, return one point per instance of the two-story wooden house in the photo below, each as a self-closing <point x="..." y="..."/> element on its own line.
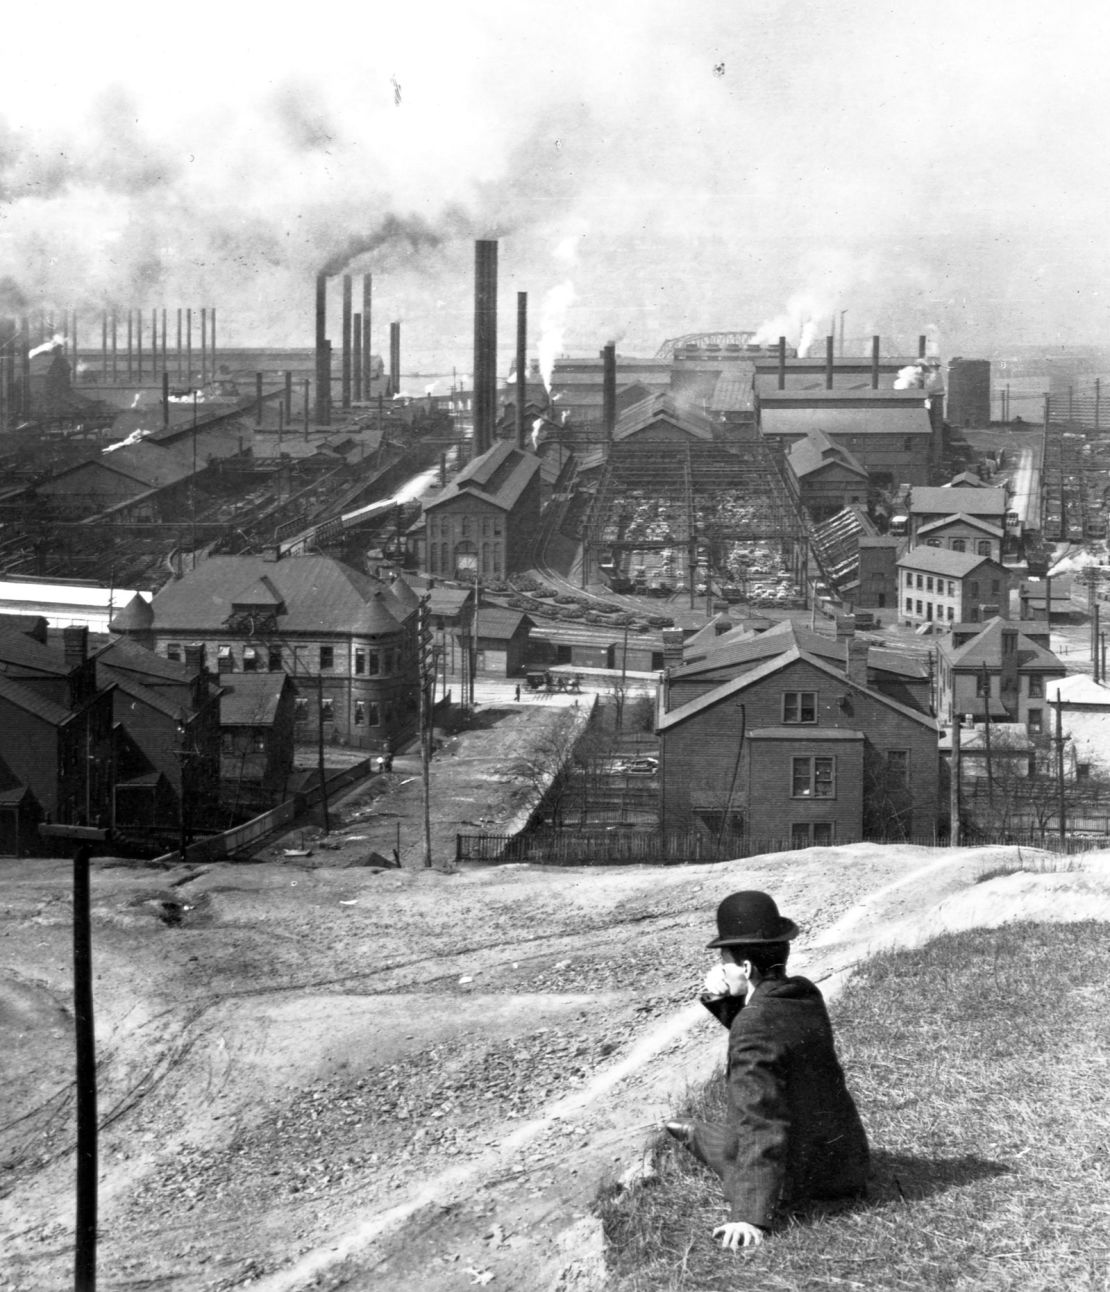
<point x="997" y="670"/>
<point x="942" y="587"/>
<point x="779" y="745"/>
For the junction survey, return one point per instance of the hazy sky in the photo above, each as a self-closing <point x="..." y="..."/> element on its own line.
<point x="650" y="168"/>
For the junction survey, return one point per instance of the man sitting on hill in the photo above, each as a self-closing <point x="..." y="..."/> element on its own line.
<point x="793" y="1131"/>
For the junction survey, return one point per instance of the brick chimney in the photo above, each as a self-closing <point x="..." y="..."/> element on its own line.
<point x="672" y="647"/>
<point x="845" y="627"/>
<point x="194" y="658"/>
<point x="75" y="639"/>
<point x="856" y="660"/>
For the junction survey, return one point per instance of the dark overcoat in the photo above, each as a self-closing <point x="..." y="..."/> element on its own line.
<point x="793" y="1130"/>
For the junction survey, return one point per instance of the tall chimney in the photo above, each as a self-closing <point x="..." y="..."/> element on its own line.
<point x="75" y="347"/>
<point x="25" y="368"/>
<point x="323" y="358"/>
<point x="356" y="356"/>
<point x="115" y="345"/>
<point x="874" y="363"/>
<point x="829" y="341"/>
<point x="921" y="347"/>
<point x="485" y="344"/>
<point x="180" y="352"/>
<point x="782" y="363"/>
<point x="153" y="342"/>
<point x="609" y="391"/>
<point x="345" y="385"/>
<point x="521" y="363"/>
<point x="394" y="358"/>
<point x="189" y="347"/>
<point x="204" y="345"/>
<point x="104" y="345"/>
<point x="164" y="342"/>
<point x="130" y="345"/>
<point x="855" y="665"/>
<point x="139" y="344"/>
<point x="367" y="286"/>
<point x="212" y="342"/>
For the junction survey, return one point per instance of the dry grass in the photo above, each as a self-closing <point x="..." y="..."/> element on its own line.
<point x="1035" y="863"/>
<point x="980" y="1066"/>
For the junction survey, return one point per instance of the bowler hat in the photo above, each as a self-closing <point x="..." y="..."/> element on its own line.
<point x="751" y="917"/>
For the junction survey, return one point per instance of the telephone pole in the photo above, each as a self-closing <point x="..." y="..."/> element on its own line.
<point x="426" y="665"/>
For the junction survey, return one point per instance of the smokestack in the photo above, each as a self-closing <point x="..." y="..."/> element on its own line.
<point x="74" y="338"/>
<point x="180" y="352"/>
<point x="258" y="398"/>
<point x="189" y="347"/>
<point x="782" y="363"/>
<point x="521" y="363"/>
<point x="356" y="356"/>
<point x="153" y="342"/>
<point x="323" y="357"/>
<point x="165" y="366"/>
<point x="104" y="345"/>
<point x="485" y="344"/>
<point x="166" y="398"/>
<point x="129" y="346"/>
<point x="874" y="363"/>
<point x="212" y="344"/>
<point x="139" y="343"/>
<point x="609" y="391"/>
<point x="204" y="344"/>
<point x="115" y="345"/>
<point x="24" y="368"/>
<point x="289" y="395"/>
<point x="345" y="368"/>
<point x="829" y="342"/>
<point x="367" y="285"/>
<point x="394" y="358"/>
<point x="921" y="347"/>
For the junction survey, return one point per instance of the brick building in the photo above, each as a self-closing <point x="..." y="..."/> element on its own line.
<point x="484" y="523"/>
<point x="937" y="586"/>
<point x="775" y="744"/>
<point x="346" y="639"/>
<point x="962" y="533"/>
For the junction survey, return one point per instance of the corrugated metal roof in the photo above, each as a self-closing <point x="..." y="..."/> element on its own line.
<point x="845" y="421"/>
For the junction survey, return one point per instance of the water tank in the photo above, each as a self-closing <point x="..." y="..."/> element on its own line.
<point x="969" y="392"/>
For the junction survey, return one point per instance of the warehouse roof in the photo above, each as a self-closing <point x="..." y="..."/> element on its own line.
<point x="498" y="477"/>
<point x="799" y="421"/>
<point x="816" y="452"/>
<point x="928" y="500"/>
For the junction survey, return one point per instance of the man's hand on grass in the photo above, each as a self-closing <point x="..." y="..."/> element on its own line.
<point x="737" y="1234"/>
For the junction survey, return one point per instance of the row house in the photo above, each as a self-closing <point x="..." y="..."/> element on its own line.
<point x="347" y="639"/>
<point x="776" y="743"/>
<point x="941" y="587"/>
<point x="483" y="525"/>
<point x="56" y="740"/>
<point x="997" y="672"/>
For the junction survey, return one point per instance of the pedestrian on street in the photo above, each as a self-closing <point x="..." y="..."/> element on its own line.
<point x="793" y="1131"/>
<point x="518" y="693"/>
<point x="379" y="764"/>
<point x="389" y="760"/>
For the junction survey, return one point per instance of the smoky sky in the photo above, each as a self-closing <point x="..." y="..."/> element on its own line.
<point x="650" y="169"/>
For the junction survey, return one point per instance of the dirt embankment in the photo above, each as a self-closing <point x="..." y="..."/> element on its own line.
<point x="331" y="1078"/>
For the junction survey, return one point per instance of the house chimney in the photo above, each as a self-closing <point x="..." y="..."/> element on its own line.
<point x="194" y="658"/>
<point x="845" y="627"/>
<point x="485" y="344"/>
<point x="609" y="391"/>
<point x="271" y="552"/>
<point x="672" y="647"/>
<point x="345" y="385"/>
<point x="874" y="363"/>
<point x="855" y="652"/>
<point x="521" y="364"/>
<point x="75" y="644"/>
<point x="782" y="363"/>
<point x="828" y="363"/>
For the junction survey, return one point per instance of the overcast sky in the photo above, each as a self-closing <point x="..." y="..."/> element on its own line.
<point x="650" y="168"/>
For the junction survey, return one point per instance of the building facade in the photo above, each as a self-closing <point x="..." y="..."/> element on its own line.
<point x="997" y="671"/>
<point x="942" y="587"/>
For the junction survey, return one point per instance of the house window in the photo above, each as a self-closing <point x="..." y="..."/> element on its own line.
<point x="258" y="741"/>
<point x="996" y="587"/>
<point x="1036" y="688"/>
<point x="932" y="542"/>
<point x="982" y="684"/>
<point x="959" y="545"/>
<point x="920" y="581"/>
<point x="951" y="614"/>
<point x="1035" y="721"/>
<point x="273" y="659"/>
<point x="951" y="588"/>
<point x="1082" y="771"/>
<point x="250" y="659"/>
<point x="909" y="605"/>
<point x="173" y="651"/>
<point x="327" y="657"/>
<point x="360" y="713"/>
<point x="375" y="715"/>
<point x="799" y="706"/>
<point x="919" y="610"/>
<point x="929" y="584"/>
<point x="973" y="588"/>
<point x="224" y="661"/>
<point x="898" y="768"/>
<point x="984" y="547"/>
<point x="811" y="834"/>
<point x="300" y="710"/>
<point x="327" y="710"/>
<point x="464" y="528"/>
<point x="813" y="778"/>
<point x="375" y="662"/>
<point x="360" y="660"/>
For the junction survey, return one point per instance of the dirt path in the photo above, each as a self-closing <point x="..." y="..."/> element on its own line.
<point x="334" y="1078"/>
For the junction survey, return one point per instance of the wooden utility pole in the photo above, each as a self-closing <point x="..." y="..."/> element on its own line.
<point x="320" y="749"/>
<point x="954" y="785"/>
<point x="1060" y="770"/>
<point x="426" y="667"/>
<point x="987" y="734"/>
